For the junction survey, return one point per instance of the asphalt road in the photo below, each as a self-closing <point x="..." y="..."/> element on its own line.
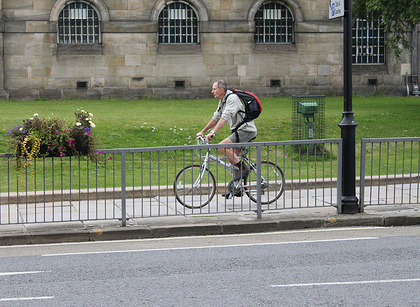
<point x="367" y="266"/>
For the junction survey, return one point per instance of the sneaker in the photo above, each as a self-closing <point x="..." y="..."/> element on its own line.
<point x="242" y="173"/>
<point x="229" y="196"/>
<point x="226" y="195"/>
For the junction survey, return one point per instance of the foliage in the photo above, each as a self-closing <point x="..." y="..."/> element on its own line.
<point x="53" y="137"/>
<point x="397" y="16"/>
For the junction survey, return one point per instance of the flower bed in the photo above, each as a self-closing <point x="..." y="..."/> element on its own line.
<point x="53" y="137"/>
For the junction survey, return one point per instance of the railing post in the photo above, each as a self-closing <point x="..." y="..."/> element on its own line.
<point x="362" y="176"/>
<point x="123" y="197"/>
<point x="339" y="175"/>
<point x="259" y="211"/>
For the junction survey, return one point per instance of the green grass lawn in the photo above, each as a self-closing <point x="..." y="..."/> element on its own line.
<point x="150" y="123"/>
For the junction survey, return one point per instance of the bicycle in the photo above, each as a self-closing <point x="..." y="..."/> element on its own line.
<point x="195" y="185"/>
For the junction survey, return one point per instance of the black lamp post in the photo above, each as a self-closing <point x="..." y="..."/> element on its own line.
<point x="349" y="201"/>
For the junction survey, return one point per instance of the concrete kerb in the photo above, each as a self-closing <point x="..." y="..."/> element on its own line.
<point x="190" y="226"/>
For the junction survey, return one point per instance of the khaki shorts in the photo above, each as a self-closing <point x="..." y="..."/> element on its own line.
<point x="243" y="136"/>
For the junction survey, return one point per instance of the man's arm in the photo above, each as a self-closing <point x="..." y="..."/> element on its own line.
<point x="210" y="125"/>
<point x="218" y="126"/>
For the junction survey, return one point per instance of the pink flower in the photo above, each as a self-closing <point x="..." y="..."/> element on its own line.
<point x="110" y="158"/>
<point x="99" y="152"/>
<point x="53" y="144"/>
<point x="60" y="147"/>
<point x="58" y="132"/>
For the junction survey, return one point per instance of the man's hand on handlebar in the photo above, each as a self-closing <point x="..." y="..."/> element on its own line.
<point x="207" y="138"/>
<point x="210" y="136"/>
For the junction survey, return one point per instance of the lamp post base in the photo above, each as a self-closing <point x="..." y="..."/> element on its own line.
<point x="349" y="205"/>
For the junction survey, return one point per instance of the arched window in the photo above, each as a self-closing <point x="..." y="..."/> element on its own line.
<point x="368" y="42"/>
<point x="178" y="24"/>
<point x="79" y="23"/>
<point x="274" y="24"/>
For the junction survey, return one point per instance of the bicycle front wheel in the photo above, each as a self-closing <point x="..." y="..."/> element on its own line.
<point x="272" y="183"/>
<point x="194" y="186"/>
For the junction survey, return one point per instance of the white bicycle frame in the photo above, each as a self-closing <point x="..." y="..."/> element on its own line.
<point x="231" y="168"/>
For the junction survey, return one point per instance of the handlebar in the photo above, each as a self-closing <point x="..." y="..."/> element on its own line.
<point x="201" y="140"/>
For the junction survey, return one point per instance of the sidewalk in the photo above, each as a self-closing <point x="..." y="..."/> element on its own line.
<point x="209" y="224"/>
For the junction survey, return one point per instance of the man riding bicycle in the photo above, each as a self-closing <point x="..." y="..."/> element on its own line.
<point x="230" y="110"/>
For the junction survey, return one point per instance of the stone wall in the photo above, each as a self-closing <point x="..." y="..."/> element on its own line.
<point x="130" y="64"/>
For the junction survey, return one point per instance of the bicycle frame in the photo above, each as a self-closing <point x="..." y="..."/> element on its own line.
<point x="209" y="157"/>
<point x="227" y="165"/>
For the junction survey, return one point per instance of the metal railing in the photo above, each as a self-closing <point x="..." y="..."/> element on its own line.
<point x="390" y="171"/>
<point x="139" y="182"/>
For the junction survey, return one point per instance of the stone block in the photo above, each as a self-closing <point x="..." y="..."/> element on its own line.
<point x="125" y="93"/>
<point x="78" y="50"/>
<point x="82" y="93"/>
<point x="44" y="61"/>
<point x="137" y="82"/>
<point x="17" y="73"/>
<point x="195" y="71"/>
<point x="323" y="70"/>
<point x="117" y="5"/>
<point x="37" y="26"/>
<point x="50" y="94"/>
<point x="115" y="60"/>
<point x="250" y="81"/>
<point x="133" y="60"/>
<point x="220" y="26"/>
<point x="18" y="5"/>
<point x="114" y="82"/>
<point x="155" y="82"/>
<point x="129" y="26"/>
<point x="40" y="72"/>
<point x="170" y="70"/>
<point x="212" y="60"/>
<point x="173" y="93"/>
<point x="23" y="94"/>
<point x="242" y="71"/>
<point x="18" y="26"/>
<point x="202" y="81"/>
<point x="222" y="71"/>
<point x="24" y="83"/>
<point x="97" y="82"/>
<point x="60" y="83"/>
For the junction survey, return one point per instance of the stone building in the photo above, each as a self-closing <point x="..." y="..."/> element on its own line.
<point x="56" y="49"/>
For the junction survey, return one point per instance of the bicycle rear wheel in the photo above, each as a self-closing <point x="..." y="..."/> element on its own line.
<point x="194" y="186"/>
<point x="272" y="184"/>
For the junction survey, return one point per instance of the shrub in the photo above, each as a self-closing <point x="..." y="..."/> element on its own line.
<point x="53" y="137"/>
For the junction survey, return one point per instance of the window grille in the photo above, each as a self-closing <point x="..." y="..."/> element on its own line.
<point x="274" y="24"/>
<point x="78" y="23"/>
<point x="178" y="24"/>
<point x="368" y="42"/>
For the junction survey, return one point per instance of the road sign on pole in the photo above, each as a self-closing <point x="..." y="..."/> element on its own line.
<point x="336" y="8"/>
